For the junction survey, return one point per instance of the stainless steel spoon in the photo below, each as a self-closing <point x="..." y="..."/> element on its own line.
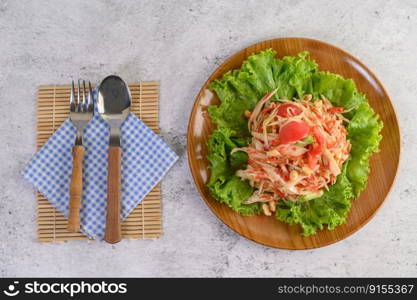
<point x="113" y="105"/>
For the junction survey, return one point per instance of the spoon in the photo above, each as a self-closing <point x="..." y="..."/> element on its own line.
<point x="113" y="105"/>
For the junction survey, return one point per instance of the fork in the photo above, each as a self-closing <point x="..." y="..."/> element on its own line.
<point x="81" y="112"/>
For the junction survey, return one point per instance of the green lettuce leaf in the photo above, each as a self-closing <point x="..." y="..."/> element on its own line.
<point x="331" y="209"/>
<point x="294" y="76"/>
<point x="364" y="135"/>
<point x="241" y="89"/>
<point x="341" y="92"/>
<point x="223" y="184"/>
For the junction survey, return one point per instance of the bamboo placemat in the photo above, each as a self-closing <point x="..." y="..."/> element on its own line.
<point x="53" y="108"/>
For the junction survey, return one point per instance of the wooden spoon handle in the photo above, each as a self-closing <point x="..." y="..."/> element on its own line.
<point x="76" y="189"/>
<point x="113" y="232"/>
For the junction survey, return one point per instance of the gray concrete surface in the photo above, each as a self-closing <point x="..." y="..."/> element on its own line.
<point x="180" y="43"/>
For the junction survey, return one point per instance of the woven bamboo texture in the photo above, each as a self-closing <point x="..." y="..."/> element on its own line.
<point x="53" y="109"/>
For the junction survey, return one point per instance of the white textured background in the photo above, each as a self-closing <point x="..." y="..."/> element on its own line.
<point x="181" y="43"/>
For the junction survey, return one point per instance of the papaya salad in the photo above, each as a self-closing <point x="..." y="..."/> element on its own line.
<point x="291" y="141"/>
<point x="297" y="150"/>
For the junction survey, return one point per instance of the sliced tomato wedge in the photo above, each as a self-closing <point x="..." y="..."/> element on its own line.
<point x="267" y="110"/>
<point x="313" y="156"/>
<point x="316" y="149"/>
<point x="336" y="109"/>
<point x="293" y="131"/>
<point x="319" y="137"/>
<point x="288" y="110"/>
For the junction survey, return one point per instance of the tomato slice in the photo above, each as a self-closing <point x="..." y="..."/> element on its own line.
<point x="284" y="112"/>
<point x="316" y="149"/>
<point x="336" y="109"/>
<point x="293" y="131"/>
<point x="312" y="160"/>
<point x="318" y="137"/>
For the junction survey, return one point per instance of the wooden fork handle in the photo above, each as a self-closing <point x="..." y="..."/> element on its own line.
<point x="76" y="189"/>
<point x="113" y="232"/>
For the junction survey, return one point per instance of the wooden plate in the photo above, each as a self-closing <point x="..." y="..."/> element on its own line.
<point x="267" y="230"/>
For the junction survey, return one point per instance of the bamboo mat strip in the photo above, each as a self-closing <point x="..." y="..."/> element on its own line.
<point x="145" y="221"/>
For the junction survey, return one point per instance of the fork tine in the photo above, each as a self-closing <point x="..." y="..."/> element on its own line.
<point x="90" y="97"/>
<point x="72" y="95"/>
<point x="78" y="95"/>
<point x="84" y="105"/>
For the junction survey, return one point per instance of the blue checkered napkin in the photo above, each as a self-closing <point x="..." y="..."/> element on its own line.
<point x="145" y="160"/>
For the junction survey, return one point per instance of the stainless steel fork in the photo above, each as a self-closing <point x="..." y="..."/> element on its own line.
<point x="81" y="112"/>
